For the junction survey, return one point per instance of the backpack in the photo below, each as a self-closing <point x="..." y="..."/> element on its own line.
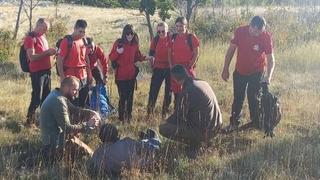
<point x="70" y="40"/>
<point x="23" y="59"/>
<point x="269" y="110"/>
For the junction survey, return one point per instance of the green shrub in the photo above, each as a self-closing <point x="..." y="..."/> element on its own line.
<point x="7" y="45"/>
<point x="57" y="30"/>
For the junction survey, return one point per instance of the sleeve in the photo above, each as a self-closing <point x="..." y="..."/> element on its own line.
<point x="235" y="39"/>
<point x="62" y="117"/>
<point x="195" y="41"/>
<point x="63" y="49"/>
<point x="113" y="55"/>
<point x="181" y="108"/>
<point x="103" y="60"/>
<point x="138" y="56"/>
<point x="268" y="44"/>
<point x="152" y="48"/>
<point x="28" y="43"/>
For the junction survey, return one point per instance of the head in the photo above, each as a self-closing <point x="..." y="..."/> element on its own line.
<point x="181" y="25"/>
<point x="90" y="45"/>
<point x="129" y="35"/>
<point x="257" y="26"/>
<point x="42" y="26"/>
<point x="70" y="87"/>
<point x="108" y="133"/>
<point x="179" y="73"/>
<point x="79" y="30"/>
<point x="162" y="29"/>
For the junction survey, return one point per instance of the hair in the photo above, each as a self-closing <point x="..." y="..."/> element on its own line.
<point x="164" y="24"/>
<point x="108" y="133"/>
<point x="128" y="29"/>
<point x="69" y="81"/>
<point x="179" y="72"/>
<point x="80" y="23"/>
<point x="182" y="20"/>
<point x="258" y="21"/>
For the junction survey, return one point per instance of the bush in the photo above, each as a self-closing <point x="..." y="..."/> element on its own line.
<point x="57" y="30"/>
<point x="7" y="45"/>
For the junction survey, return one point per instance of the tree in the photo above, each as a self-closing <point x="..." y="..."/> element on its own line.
<point x="56" y="4"/>
<point x="18" y="20"/>
<point x="149" y="7"/>
<point x="187" y="7"/>
<point x="28" y="7"/>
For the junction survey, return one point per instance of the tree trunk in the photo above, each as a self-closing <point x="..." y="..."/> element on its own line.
<point x="149" y="25"/>
<point x="189" y="11"/>
<point x="30" y="15"/>
<point x="18" y="20"/>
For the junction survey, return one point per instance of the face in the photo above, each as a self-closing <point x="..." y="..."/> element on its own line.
<point x="129" y="36"/>
<point x="72" y="91"/>
<point x="79" y="32"/>
<point x="180" y="27"/>
<point x="162" y="31"/>
<point x="91" y="48"/>
<point x="43" y="28"/>
<point x="255" y="31"/>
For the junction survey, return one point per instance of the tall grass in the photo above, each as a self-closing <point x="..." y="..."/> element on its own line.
<point x="292" y="154"/>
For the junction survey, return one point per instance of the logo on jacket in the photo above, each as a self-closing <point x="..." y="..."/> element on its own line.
<point x="256" y="47"/>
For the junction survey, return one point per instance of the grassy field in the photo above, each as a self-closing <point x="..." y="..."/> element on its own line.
<point x="293" y="154"/>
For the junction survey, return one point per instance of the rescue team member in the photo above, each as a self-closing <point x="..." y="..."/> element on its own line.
<point x="183" y="50"/>
<point x="38" y="55"/>
<point x="98" y="62"/>
<point x="74" y="61"/>
<point x="161" y="70"/>
<point x="124" y="53"/>
<point x="254" y="58"/>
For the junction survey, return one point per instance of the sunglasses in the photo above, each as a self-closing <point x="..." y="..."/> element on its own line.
<point x="129" y="33"/>
<point x="159" y="32"/>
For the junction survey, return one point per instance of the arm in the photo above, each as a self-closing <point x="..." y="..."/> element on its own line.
<point x="60" y="67"/>
<point x="88" y="69"/>
<point x="194" y="57"/>
<point x="138" y="56"/>
<point x="35" y="57"/>
<point x="195" y="51"/>
<point x="63" y="52"/>
<point x="113" y="55"/>
<point x="270" y="67"/>
<point x="229" y="55"/>
<point x="170" y="57"/>
<point x="80" y="115"/>
<point x="181" y="108"/>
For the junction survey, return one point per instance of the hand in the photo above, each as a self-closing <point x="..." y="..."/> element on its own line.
<point x="151" y="60"/>
<point x="51" y="51"/>
<point x="120" y="50"/>
<point x="225" y="74"/>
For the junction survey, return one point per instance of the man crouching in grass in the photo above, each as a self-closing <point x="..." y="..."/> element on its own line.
<point x="197" y="117"/>
<point x="60" y="121"/>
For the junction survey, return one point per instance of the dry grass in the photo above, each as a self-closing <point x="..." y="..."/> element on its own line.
<point x="293" y="154"/>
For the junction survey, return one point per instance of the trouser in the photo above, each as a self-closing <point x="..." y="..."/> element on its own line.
<point x="157" y="78"/>
<point x="97" y="75"/>
<point x="241" y="85"/>
<point x="126" y="91"/>
<point x="83" y="99"/>
<point x="193" y="136"/>
<point x="41" y="86"/>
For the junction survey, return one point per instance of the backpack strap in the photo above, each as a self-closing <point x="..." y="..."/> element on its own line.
<point x="69" y="46"/>
<point x="189" y="41"/>
<point x="155" y="42"/>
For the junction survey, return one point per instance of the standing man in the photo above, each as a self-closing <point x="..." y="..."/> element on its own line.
<point x="197" y="116"/>
<point x="38" y="54"/>
<point x="255" y="63"/>
<point x="73" y="60"/>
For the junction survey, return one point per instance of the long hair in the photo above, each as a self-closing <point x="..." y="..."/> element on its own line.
<point x="129" y="29"/>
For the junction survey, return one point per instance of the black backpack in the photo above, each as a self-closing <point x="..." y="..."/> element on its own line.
<point x="23" y="59"/>
<point x="269" y="110"/>
<point x="70" y="41"/>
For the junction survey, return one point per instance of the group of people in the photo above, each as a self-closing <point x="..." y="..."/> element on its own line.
<point x="173" y="56"/>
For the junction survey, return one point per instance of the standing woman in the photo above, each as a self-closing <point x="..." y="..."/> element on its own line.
<point x="183" y="50"/>
<point x="161" y="70"/>
<point x="124" y="53"/>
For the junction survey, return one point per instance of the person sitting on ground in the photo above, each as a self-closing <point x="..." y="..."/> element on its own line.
<point x="116" y="154"/>
<point x="60" y="120"/>
<point x="197" y="117"/>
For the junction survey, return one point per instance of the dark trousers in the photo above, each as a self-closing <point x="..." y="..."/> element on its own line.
<point x="157" y="78"/>
<point x="83" y="99"/>
<point x="97" y="75"/>
<point x="126" y="91"/>
<point x="241" y="85"/>
<point x="41" y="87"/>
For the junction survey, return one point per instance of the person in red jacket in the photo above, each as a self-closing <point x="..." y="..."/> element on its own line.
<point x="73" y="61"/>
<point x="183" y="50"/>
<point x="98" y="62"/>
<point x="38" y="55"/>
<point x="255" y="63"/>
<point x="161" y="71"/>
<point x="124" y="53"/>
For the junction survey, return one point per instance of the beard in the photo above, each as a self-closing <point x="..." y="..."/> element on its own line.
<point x="70" y="97"/>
